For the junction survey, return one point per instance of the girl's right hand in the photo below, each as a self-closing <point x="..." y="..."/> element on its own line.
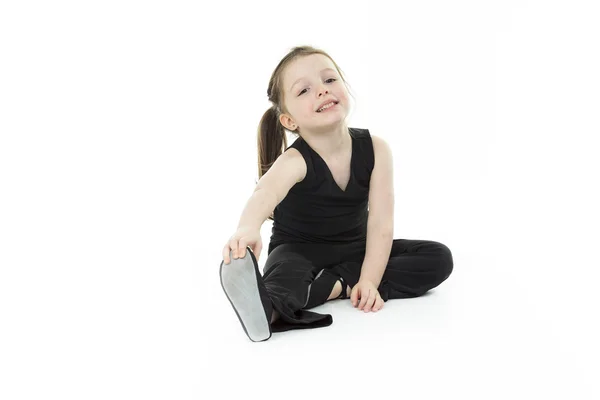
<point x="237" y="243"/>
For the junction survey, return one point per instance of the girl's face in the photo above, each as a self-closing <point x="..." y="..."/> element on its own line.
<point x="307" y="83"/>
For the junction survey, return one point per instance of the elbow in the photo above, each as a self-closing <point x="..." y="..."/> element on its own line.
<point x="268" y="196"/>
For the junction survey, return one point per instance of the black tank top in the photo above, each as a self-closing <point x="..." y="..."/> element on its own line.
<point x="317" y="210"/>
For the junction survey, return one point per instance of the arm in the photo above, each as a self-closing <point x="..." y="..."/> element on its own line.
<point x="288" y="169"/>
<point x="380" y="224"/>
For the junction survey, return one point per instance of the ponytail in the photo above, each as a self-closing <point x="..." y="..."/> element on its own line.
<point x="271" y="140"/>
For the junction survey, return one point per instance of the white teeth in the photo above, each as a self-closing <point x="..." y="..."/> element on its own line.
<point x="326" y="106"/>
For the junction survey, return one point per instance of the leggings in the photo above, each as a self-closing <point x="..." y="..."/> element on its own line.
<point x="300" y="276"/>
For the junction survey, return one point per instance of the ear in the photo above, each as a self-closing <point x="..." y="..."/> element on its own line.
<point x="287" y="122"/>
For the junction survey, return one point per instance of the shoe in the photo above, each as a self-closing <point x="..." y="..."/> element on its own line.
<point x="243" y="285"/>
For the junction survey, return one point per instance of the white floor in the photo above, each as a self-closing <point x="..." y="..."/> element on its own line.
<point x="479" y="335"/>
<point x="131" y="314"/>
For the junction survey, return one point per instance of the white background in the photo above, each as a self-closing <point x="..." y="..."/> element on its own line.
<point x="128" y="151"/>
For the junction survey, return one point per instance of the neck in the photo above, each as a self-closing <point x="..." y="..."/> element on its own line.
<point x="329" y="143"/>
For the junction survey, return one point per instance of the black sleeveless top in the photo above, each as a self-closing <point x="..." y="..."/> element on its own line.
<point x="317" y="210"/>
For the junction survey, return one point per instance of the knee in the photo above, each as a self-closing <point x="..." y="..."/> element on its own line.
<point x="446" y="261"/>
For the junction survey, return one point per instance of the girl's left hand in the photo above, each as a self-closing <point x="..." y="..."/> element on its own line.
<point x="367" y="292"/>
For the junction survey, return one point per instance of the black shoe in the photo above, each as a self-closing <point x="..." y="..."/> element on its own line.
<point x="242" y="283"/>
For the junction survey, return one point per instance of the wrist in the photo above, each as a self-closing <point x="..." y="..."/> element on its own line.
<point x="371" y="279"/>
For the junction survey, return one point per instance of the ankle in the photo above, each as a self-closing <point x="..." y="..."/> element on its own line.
<point x="274" y="316"/>
<point x="336" y="291"/>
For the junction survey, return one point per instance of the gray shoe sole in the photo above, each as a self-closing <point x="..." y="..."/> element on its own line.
<point x="240" y="283"/>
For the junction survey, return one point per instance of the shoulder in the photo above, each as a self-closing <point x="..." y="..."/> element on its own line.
<point x="380" y="147"/>
<point x="293" y="161"/>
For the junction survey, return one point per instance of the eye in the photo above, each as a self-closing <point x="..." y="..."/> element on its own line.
<point x="330" y="79"/>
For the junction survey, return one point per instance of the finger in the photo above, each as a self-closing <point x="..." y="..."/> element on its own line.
<point x="242" y="248"/>
<point x="378" y="304"/>
<point x="226" y="254"/>
<point x="257" y="250"/>
<point x="370" y="301"/>
<point x="354" y="296"/>
<point x="233" y="244"/>
<point x="363" y="299"/>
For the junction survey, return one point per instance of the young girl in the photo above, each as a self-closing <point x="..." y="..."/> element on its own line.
<point x="331" y="199"/>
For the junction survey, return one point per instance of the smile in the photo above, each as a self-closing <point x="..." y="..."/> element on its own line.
<point x="327" y="107"/>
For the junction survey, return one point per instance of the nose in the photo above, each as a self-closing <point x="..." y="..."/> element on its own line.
<point x="322" y="91"/>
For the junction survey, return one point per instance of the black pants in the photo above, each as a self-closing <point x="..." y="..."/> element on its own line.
<point x="301" y="276"/>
